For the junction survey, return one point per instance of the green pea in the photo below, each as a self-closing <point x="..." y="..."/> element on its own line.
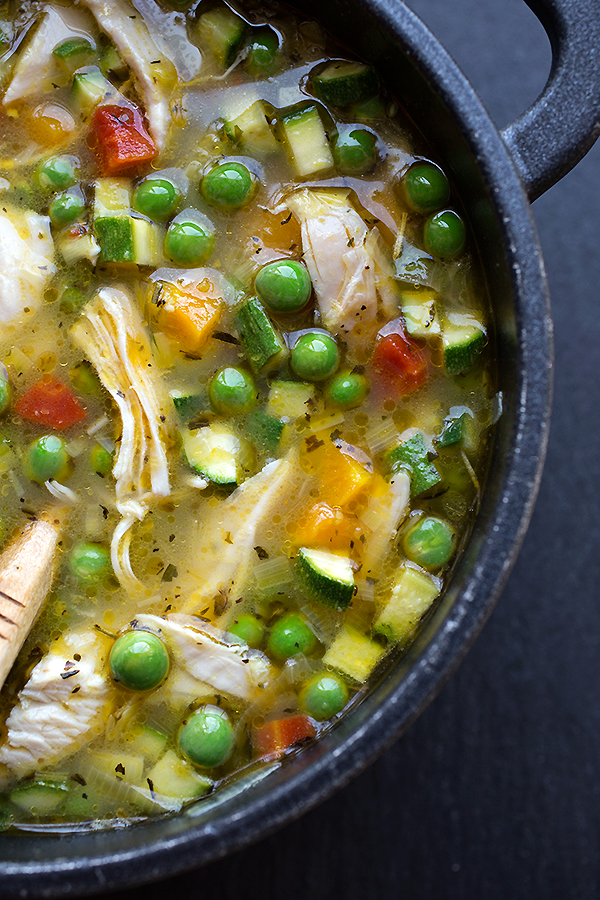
<point x="248" y="629"/>
<point x="101" y="460"/>
<point x="228" y="186"/>
<point x="73" y="299"/>
<point x="139" y="660"/>
<point x="46" y="458"/>
<point x="65" y="208"/>
<point x="262" y="53"/>
<point x="315" y="356"/>
<point x="189" y="242"/>
<point x="57" y="173"/>
<point x="426" y="188"/>
<point x="324" y="695"/>
<point x="355" y="152"/>
<point x="430" y="543"/>
<point x="90" y="562"/>
<point x="289" y="636"/>
<point x="445" y="234"/>
<point x="284" y="286"/>
<point x="207" y="737"/>
<point x="6" y="389"/>
<point x="232" y="391"/>
<point x="157" y="198"/>
<point x="84" y="379"/>
<point x="347" y="389"/>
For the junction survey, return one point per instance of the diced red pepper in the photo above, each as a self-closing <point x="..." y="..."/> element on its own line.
<point x="120" y="139"/>
<point x="51" y="403"/>
<point x="273" y="738"/>
<point x="400" y="362"/>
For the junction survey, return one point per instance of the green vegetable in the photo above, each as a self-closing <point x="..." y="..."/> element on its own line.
<point x="462" y="344"/>
<point x="456" y="427"/>
<point x="57" y="173"/>
<point x="111" y="63"/>
<point x="315" y="356"/>
<point x="260" y="337"/>
<point x="187" y="404"/>
<point x="73" y="299"/>
<point x="90" y="562"/>
<point x="139" y="660"/>
<point x="157" y="198"/>
<point x="84" y="379"/>
<point x="222" y="33"/>
<point x="47" y="457"/>
<point x="347" y="389"/>
<point x="67" y="207"/>
<point x="207" y="737"/>
<point x="324" y="695"/>
<point x="413" y="593"/>
<point x="370" y="110"/>
<point x="342" y="82"/>
<point x="290" y="399"/>
<point x="262" y="53"/>
<point x="115" y="236"/>
<point x="229" y="186"/>
<point x="264" y="430"/>
<point x="150" y="743"/>
<point x="429" y="543"/>
<point x="289" y="636"/>
<point x="41" y="796"/>
<point x="306" y="140"/>
<point x="251" y="130"/>
<point x="173" y="776"/>
<point x="328" y="578"/>
<point x="419" y="308"/>
<point x="355" y="152"/>
<point x="6" y="389"/>
<point x="284" y="285"/>
<point x="218" y="454"/>
<point x="445" y="234"/>
<point x="189" y="239"/>
<point x="74" y="53"/>
<point x="248" y="629"/>
<point x="101" y="460"/>
<point x="232" y="391"/>
<point x="412" y="455"/>
<point x="426" y="188"/>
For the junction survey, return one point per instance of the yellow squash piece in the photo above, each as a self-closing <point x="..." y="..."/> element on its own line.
<point x="342" y="478"/>
<point x="353" y="654"/>
<point x="187" y="313"/>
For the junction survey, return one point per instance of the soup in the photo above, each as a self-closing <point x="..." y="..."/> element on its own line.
<point x="246" y="397"/>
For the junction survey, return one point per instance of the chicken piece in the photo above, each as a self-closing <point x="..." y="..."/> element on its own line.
<point x="63" y="705"/>
<point x="113" y="336"/>
<point x="27" y="254"/>
<point x="384" y="515"/>
<point x="127" y="29"/>
<point x="26" y="573"/>
<point x="204" y="652"/>
<point x="37" y="68"/>
<point x="223" y="566"/>
<point x="345" y="259"/>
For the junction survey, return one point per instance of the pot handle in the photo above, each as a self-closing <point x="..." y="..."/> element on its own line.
<point x="559" y="128"/>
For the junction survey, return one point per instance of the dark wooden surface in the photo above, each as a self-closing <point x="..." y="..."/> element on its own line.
<point x="494" y="793"/>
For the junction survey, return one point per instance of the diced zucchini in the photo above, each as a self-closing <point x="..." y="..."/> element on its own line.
<point x="413" y="593"/>
<point x="221" y="32"/>
<point x="264" y="430"/>
<point x="306" y="140"/>
<point x="187" y="404"/>
<point x="411" y="454"/>
<point x="115" y="236"/>
<point x="147" y="242"/>
<point x="353" y="654"/>
<point x="457" y="427"/>
<point x="251" y="130"/>
<point x="290" y="399"/>
<point x="263" y="344"/>
<point x="73" y="53"/>
<point x="121" y="764"/>
<point x="342" y="82"/>
<point x="41" y="796"/>
<point x="462" y="343"/>
<point x="111" y="62"/>
<point x="328" y="578"/>
<point x="90" y="87"/>
<point x="175" y="777"/>
<point x="419" y="311"/>
<point x="218" y="454"/>
<point x="150" y="744"/>
<point x="370" y="110"/>
<point x="111" y="197"/>
<point x="78" y="243"/>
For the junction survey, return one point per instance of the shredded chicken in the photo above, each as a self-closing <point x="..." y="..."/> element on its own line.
<point x="36" y="67"/>
<point x="126" y="27"/>
<point x="204" y="652"/>
<point x="382" y="520"/>
<point x="27" y="253"/>
<point x="347" y="262"/>
<point x="63" y="705"/>
<point x="113" y="336"/>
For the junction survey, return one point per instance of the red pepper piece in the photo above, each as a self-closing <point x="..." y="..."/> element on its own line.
<point x="400" y="362"/>
<point x="51" y="403"/>
<point x="273" y="738"/>
<point x="120" y="139"/>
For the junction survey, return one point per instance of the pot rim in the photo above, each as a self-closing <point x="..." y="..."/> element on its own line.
<point x="163" y="846"/>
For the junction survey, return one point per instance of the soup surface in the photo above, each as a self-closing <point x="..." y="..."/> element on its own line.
<point x="246" y="397"/>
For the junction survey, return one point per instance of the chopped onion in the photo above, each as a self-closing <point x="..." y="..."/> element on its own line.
<point x="271" y="574"/>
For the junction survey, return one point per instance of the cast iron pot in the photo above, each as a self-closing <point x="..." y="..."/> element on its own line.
<point x="496" y="175"/>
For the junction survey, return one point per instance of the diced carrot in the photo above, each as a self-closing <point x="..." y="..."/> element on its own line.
<point x="120" y="139"/>
<point x="188" y="314"/>
<point x="341" y="477"/>
<point x="328" y="528"/>
<point x="401" y="363"/>
<point x="274" y="738"/>
<point x="51" y="403"/>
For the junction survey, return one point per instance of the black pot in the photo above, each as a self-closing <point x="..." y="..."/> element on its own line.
<point x="496" y="175"/>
